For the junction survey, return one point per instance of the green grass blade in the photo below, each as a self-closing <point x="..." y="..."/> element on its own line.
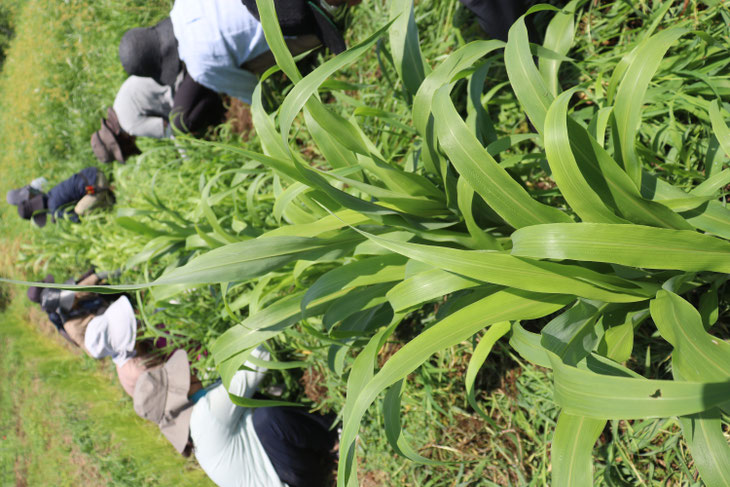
<point x="405" y="46"/>
<point x="357" y="300"/>
<point x="558" y="38"/>
<point x="572" y="449"/>
<point x="256" y="257"/>
<point x="483" y="173"/>
<point x="709" y="446"/>
<point x="478" y="357"/>
<point x="308" y="86"/>
<point x="426" y="286"/>
<point x="364" y="272"/>
<point x="465" y="197"/>
<point x="630" y="245"/>
<point x="630" y="97"/>
<point x="698" y="356"/>
<point x="572" y="335"/>
<point x="498" y="307"/>
<point x="584" y="393"/>
<point x="614" y="186"/>
<point x="722" y="132"/>
<point x="507" y="270"/>
<point x="275" y="39"/>
<point x="527" y="83"/>
<point x="579" y="194"/>
<point x="527" y="344"/>
<point x="423" y="120"/>
<point x="393" y="429"/>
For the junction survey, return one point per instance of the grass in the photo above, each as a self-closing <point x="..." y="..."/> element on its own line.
<point x="66" y="421"/>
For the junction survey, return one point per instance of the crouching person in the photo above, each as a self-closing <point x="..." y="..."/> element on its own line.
<point x="236" y="446"/>
<point x="82" y="192"/>
<point x="71" y="311"/>
<point x="114" y="334"/>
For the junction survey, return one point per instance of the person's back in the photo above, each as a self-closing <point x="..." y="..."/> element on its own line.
<point x="70" y="191"/>
<point x="214" y="38"/>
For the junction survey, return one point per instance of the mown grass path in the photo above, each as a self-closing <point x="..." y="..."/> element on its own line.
<point x="65" y="421"/>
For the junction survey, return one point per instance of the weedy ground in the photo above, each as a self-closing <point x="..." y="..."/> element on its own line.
<point x="60" y="74"/>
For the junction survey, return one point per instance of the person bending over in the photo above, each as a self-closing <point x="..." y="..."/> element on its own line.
<point x="71" y="311"/>
<point x="220" y="47"/>
<point x="85" y="190"/>
<point x="236" y="446"/>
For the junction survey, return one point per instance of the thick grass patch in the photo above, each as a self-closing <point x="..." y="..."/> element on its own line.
<point x="65" y="421"/>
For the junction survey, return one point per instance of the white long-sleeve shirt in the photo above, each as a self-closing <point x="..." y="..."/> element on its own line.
<point x="215" y="37"/>
<point x="226" y="444"/>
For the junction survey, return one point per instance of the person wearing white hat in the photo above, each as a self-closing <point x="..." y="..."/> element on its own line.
<point x="236" y="446"/>
<point x="114" y="334"/>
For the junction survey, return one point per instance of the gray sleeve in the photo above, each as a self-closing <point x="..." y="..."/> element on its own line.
<point x="147" y="126"/>
<point x="139" y="106"/>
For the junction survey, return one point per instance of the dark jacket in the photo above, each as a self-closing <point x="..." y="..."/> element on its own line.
<point x="61" y="196"/>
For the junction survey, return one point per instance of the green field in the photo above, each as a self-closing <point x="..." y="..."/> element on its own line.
<point x="66" y="421"/>
<point x="501" y="265"/>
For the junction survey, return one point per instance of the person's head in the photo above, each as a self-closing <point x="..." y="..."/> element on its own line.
<point x="34" y="292"/>
<point x="34" y="208"/>
<point x="151" y="52"/>
<point x="111" y="142"/>
<point x="161" y="396"/>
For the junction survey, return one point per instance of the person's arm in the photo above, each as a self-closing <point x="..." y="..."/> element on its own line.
<point x="243" y="384"/>
<point x="60" y="206"/>
<point x="148" y="126"/>
<point x="233" y="81"/>
<point x="90" y="280"/>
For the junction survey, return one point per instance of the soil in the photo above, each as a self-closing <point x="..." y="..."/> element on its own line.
<point x="238" y="116"/>
<point x="313" y="383"/>
<point x="374" y="478"/>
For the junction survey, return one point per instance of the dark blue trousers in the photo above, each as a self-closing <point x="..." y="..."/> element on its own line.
<point x="495" y="17"/>
<point x="298" y="444"/>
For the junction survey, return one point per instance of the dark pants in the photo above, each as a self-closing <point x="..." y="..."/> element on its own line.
<point x="195" y="107"/>
<point x="298" y="444"/>
<point x="298" y="18"/>
<point x="495" y="17"/>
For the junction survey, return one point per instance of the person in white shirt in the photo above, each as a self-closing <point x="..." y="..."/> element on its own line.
<point x="221" y="43"/>
<point x="236" y="446"/>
